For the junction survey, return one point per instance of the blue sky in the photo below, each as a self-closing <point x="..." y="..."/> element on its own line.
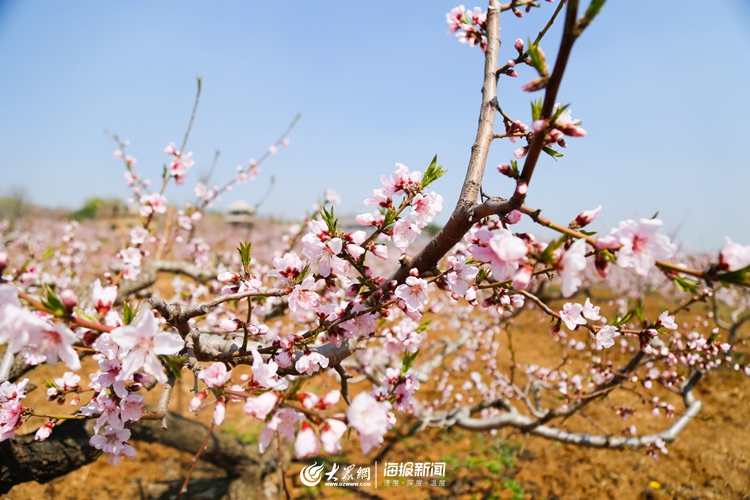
<point x="661" y="88"/>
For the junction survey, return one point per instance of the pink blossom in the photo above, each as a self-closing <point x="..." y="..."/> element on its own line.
<point x="311" y="363"/>
<point x="424" y="208"/>
<point x="401" y="180"/>
<point x="103" y="297"/>
<point x="734" y="256"/>
<point x="303" y="297"/>
<point x="306" y="444"/>
<point x="414" y="293"/>
<point x="405" y="232"/>
<point x="325" y="254"/>
<point x="144" y="342"/>
<point x="55" y="342"/>
<point x="131" y="407"/>
<point x="131" y="256"/>
<point x="571" y="315"/>
<point x="590" y="311"/>
<point x="379" y="198"/>
<point x="272" y="150"/>
<point x="264" y="374"/>
<point x="370" y="418"/>
<point x="605" y="337"/>
<point x="330" y="435"/>
<point x="568" y="125"/>
<point x="10" y="419"/>
<point x="502" y="250"/>
<point x="522" y="277"/>
<point x="519" y="45"/>
<point x="153" y="203"/>
<point x="282" y="421"/>
<point x="216" y="375"/>
<point x="462" y="276"/>
<point x="69" y="298"/>
<point x="641" y="245"/>
<point x="113" y="442"/>
<point x="286" y="268"/>
<point x="667" y="321"/>
<point x="570" y="266"/>
<point x="261" y="406"/>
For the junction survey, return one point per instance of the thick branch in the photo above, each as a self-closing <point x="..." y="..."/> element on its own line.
<point x="460" y="221"/>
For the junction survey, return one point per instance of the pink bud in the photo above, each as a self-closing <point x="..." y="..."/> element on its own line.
<point x="511" y="63"/>
<point x="535" y="84"/>
<point x="69" y="298"/>
<point x="220" y="411"/>
<point x="3" y="261"/>
<point x="414" y="272"/>
<point x="539" y="125"/>
<point x="574" y="131"/>
<point x="43" y="432"/>
<point x="521" y="152"/>
<point x="229" y="325"/>
<point x="585" y="218"/>
<point x="518" y="13"/>
<point x="512" y="73"/>
<point x="272" y="150"/>
<point x="505" y="169"/>
<point x="228" y="277"/>
<point x="513" y="217"/>
<point x="519" y="45"/>
<point x="522" y="188"/>
<point x="197" y="400"/>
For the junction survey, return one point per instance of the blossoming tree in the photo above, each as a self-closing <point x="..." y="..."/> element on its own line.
<point x="350" y="310"/>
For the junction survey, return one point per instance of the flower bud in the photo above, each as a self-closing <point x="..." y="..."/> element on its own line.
<point x="228" y="277"/>
<point x="539" y="125"/>
<point x="506" y="170"/>
<point x="513" y="217"/>
<point x="197" y="400"/>
<point x="69" y="298"/>
<point x="3" y="261"/>
<point x="588" y="216"/>
<point x="519" y="45"/>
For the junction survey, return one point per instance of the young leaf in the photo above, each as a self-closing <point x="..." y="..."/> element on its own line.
<point x="552" y="152"/>
<point x="536" y="109"/>
<point x="408" y="361"/>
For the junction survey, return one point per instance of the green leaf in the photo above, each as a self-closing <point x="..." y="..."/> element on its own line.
<point x="686" y="285"/>
<point x="128" y="313"/>
<point x="536" y="109"/>
<point x="552" y="152"/>
<point x="164" y="172"/>
<point x="408" y="361"/>
<point x="594" y="8"/>
<point x="739" y="277"/>
<point x="621" y="321"/>
<point x="53" y="303"/>
<point x="433" y="173"/>
<point x="548" y="256"/>
<point x="174" y="364"/>
<point x="423" y="327"/>
<point x="244" y="251"/>
<point x="655" y="215"/>
<point x="48" y="253"/>
<point x="537" y="60"/>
